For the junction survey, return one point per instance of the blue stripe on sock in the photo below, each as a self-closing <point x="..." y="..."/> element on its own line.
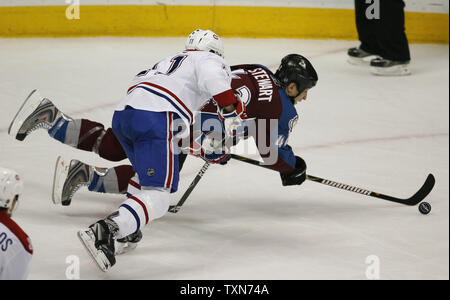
<point x="58" y="131"/>
<point x="101" y="189"/>
<point x="93" y="184"/>
<point x="134" y="214"/>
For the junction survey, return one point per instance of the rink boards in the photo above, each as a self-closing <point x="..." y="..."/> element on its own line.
<point x="425" y="24"/>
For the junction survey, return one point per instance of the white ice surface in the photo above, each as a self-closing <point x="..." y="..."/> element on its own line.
<point x="383" y="134"/>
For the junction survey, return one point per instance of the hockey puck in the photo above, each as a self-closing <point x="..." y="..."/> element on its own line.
<point x="425" y="208"/>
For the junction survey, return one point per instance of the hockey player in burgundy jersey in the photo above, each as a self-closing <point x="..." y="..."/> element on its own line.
<point x="15" y="247"/>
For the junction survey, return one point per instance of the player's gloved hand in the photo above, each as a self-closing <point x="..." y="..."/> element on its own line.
<point x="298" y="176"/>
<point x="214" y="150"/>
<point x="210" y="148"/>
<point x="234" y="119"/>
<point x="214" y="158"/>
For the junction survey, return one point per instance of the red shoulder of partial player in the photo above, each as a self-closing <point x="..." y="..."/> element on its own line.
<point x="17" y="231"/>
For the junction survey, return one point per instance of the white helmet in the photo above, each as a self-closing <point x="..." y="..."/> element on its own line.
<point x="10" y="186"/>
<point x="193" y="39"/>
<point x="205" y="40"/>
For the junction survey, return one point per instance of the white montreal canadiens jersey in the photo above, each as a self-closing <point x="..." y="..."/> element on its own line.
<point x="181" y="83"/>
<point x="15" y="252"/>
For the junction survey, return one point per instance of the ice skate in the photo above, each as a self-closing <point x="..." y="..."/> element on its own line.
<point x="357" y="56"/>
<point x="68" y="178"/>
<point x="99" y="242"/>
<point x="128" y="243"/>
<point x="386" y="67"/>
<point x="36" y="112"/>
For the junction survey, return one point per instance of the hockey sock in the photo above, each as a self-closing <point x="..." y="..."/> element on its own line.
<point x="114" y="181"/>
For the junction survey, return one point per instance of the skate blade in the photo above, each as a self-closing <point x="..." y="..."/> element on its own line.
<point x="87" y="239"/>
<point x="59" y="177"/>
<point x="400" y="70"/>
<point x="29" y="105"/>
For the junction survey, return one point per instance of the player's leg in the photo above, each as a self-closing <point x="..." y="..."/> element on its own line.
<point x="41" y="113"/>
<point x="369" y="48"/>
<point x="392" y="39"/>
<point x="157" y="167"/>
<point x="149" y="143"/>
<point x="70" y="176"/>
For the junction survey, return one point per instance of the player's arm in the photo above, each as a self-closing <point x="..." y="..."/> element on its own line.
<point x="297" y="176"/>
<point x="215" y="79"/>
<point x="292" y="168"/>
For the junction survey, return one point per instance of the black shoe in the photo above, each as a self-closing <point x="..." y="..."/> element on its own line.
<point x="128" y="243"/>
<point x="357" y="56"/>
<point x="99" y="242"/>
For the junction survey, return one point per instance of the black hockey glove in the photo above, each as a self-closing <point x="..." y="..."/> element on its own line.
<point x="298" y="176"/>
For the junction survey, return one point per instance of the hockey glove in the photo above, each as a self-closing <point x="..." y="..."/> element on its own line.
<point x="221" y="158"/>
<point x="214" y="150"/>
<point x="298" y="176"/>
<point x="235" y="119"/>
<point x="210" y="149"/>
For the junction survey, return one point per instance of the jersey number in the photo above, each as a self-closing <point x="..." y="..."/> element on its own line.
<point x="175" y="65"/>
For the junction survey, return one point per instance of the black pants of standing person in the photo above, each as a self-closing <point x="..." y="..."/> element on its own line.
<point x="385" y="36"/>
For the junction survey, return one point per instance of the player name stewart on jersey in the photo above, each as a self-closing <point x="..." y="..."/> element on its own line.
<point x="265" y="84"/>
<point x="16" y="250"/>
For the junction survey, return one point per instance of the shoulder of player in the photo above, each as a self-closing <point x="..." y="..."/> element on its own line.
<point x="17" y="232"/>
<point x="289" y="114"/>
<point x="250" y="67"/>
<point x="203" y="55"/>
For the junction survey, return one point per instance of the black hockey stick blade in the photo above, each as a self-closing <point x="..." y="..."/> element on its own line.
<point x="417" y="197"/>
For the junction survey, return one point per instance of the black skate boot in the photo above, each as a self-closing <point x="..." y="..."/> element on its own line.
<point x="386" y="67"/>
<point x="36" y="112"/>
<point x="99" y="242"/>
<point x="128" y="243"/>
<point x="68" y="178"/>
<point x="357" y="56"/>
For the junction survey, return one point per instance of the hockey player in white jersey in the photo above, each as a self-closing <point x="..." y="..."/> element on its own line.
<point x="158" y="109"/>
<point x="15" y="246"/>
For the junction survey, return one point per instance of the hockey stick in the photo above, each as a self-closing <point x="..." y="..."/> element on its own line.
<point x="175" y="208"/>
<point x="414" y="200"/>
